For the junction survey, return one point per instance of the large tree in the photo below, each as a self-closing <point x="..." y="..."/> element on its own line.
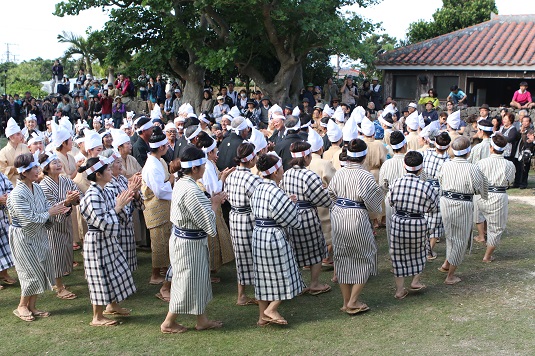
<point x="454" y="15"/>
<point x="89" y="49"/>
<point x="266" y="40"/>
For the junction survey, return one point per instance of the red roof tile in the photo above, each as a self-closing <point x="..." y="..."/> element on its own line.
<point x="505" y="40"/>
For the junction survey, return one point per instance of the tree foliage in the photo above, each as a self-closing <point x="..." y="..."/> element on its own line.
<point x="376" y="45"/>
<point x="454" y="15"/>
<point x="90" y="49"/>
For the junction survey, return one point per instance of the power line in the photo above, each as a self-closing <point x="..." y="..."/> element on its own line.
<point x="9" y="56"/>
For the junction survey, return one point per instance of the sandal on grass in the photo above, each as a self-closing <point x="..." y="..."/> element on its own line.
<point x="66" y="295"/>
<point x="326" y="289"/>
<point x="161" y="297"/>
<point x="120" y="312"/>
<point x="8" y="280"/>
<point x="105" y="323"/>
<point x="355" y="311"/>
<point x="24" y="317"/>
<point x="280" y="321"/>
<point x="40" y="313"/>
<point x="249" y="301"/>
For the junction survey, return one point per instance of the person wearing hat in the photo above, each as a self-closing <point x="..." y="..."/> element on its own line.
<point x="36" y="142"/>
<point x="354" y="193"/>
<point x="252" y="112"/>
<point x="335" y="136"/>
<point x="141" y="148"/>
<point x="229" y="145"/>
<point x="522" y="98"/>
<point x="430" y="114"/>
<point x="15" y="147"/>
<point x="412" y="122"/>
<point x="279" y="132"/>
<point x="349" y="92"/>
<point x="459" y="181"/>
<point x="170" y="131"/>
<point x="453" y="123"/>
<point x="484" y="112"/>
<point x="410" y="198"/>
<point x="292" y="126"/>
<point x="177" y="103"/>
<point x="30" y="123"/>
<point x="220" y="109"/>
<point x="264" y="107"/>
<point x="500" y="174"/>
<point x="330" y="91"/>
<point x="308" y="94"/>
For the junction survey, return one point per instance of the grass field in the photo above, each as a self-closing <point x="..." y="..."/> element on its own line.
<point x="490" y="312"/>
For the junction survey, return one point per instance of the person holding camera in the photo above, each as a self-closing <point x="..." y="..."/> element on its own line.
<point x="525" y="151"/>
<point x="349" y="92"/>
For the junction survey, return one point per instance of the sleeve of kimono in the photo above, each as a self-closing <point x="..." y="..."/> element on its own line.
<point x="95" y="212"/>
<point x="155" y="180"/>
<point x="433" y="198"/>
<point x="24" y="208"/>
<point x="481" y="183"/>
<point x="317" y="195"/>
<point x="211" y="182"/>
<point x="253" y="183"/>
<point x="373" y="197"/>
<point x="9" y="171"/>
<point x="331" y="189"/>
<point x="52" y="199"/>
<point x="383" y="182"/>
<point x="284" y="210"/>
<point x="200" y="209"/>
<point x="5" y="187"/>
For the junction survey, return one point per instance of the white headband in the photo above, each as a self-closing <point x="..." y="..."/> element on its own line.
<point x="399" y="145"/>
<point x="301" y="153"/>
<point x="204" y="119"/>
<point x="248" y="158"/>
<point x="158" y="144"/>
<point x="191" y="164"/>
<point x="273" y="169"/>
<point x="462" y="152"/>
<point x="51" y="157"/>
<point x="210" y="148"/>
<point x="442" y="147"/>
<point x="101" y="163"/>
<point x="357" y="154"/>
<point x="495" y="146"/>
<point x="412" y="169"/>
<point x="323" y="124"/>
<point x="145" y="127"/>
<point x="241" y="126"/>
<point x="384" y="122"/>
<point x="32" y="164"/>
<point x="194" y="134"/>
<point x="485" y="128"/>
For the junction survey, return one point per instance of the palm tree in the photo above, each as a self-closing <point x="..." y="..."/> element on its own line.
<point x="89" y="50"/>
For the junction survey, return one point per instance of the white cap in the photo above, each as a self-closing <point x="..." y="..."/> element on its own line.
<point x="12" y="127"/>
<point x="129" y="114"/>
<point x="367" y="127"/>
<point x="258" y="140"/>
<point x="421" y="121"/>
<point x="31" y="117"/>
<point x="358" y="114"/>
<point x="169" y="126"/>
<point x="234" y="112"/>
<point x="185" y="108"/>
<point x="119" y="138"/>
<point x="315" y="140"/>
<point x="454" y="120"/>
<point x="350" y="130"/>
<point x="296" y="111"/>
<point x="60" y="134"/>
<point x="92" y="139"/>
<point x="179" y="119"/>
<point x="412" y="121"/>
<point x="274" y="109"/>
<point x="338" y="114"/>
<point x="334" y="133"/>
<point x="328" y="111"/>
<point x="66" y="123"/>
<point x="413" y="105"/>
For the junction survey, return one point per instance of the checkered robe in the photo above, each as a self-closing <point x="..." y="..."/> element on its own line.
<point x="107" y="272"/>
<point x="191" y="289"/>
<point x="60" y="232"/>
<point x="277" y="276"/>
<point x="6" y="258"/>
<point x="459" y="176"/>
<point x="29" y="243"/>
<point x="390" y="170"/>
<point x="431" y="166"/>
<point x="409" y="241"/>
<point x="239" y="187"/>
<point x="354" y="246"/>
<point x="126" y="238"/>
<point x="308" y="242"/>
<point x="500" y="173"/>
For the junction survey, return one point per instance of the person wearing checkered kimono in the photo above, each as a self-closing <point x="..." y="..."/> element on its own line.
<point x="107" y="272"/>
<point x="308" y="242"/>
<point x="354" y="192"/>
<point x="433" y="161"/>
<point x="6" y="258"/>
<point x="58" y="188"/>
<point x="30" y="214"/>
<point x="277" y="276"/>
<point x="410" y="199"/>
<point x="459" y="181"/>
<point x="500" y="174"/>
<point x="239" y="187"/>
<point x="117" y="185"/>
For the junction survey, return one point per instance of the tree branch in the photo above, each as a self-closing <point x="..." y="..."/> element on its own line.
<point x="217" y="22"/>
<point x="272" y="32"/>
<point x="177" y="68"/>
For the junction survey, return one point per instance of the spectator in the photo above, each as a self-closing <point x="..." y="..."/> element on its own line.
<point x="457" y="96"/>
<point x="432" y="97"/>
<point x="365" y="94"/>
<point x="330" y="91"/>
<point x="513" y="137"/>
<point x="349" y="92"/>
<point x="497" y="123"/>
<point x="177" y="102"/>
<point x="57" y="75"/>
<point x="81" y="76"/>
<point x="522" y="98"/>
<point x="106" y="103"/>
<point x="252" y="112"/>
<point x="118" y="112"/>
<point x="430" y="114"/>
<point x="167" y="112"/>
<point x="220" y="109"/>
<point x="125" y="87"/>
<point x="525" y="151"/>
<point x="142" y="82"/>
<point x="258" y="98"/>
<point x="208" y="102"/>
<point x="208" y="86"/>
<point x="94" y="89"/>
<point x="264" y="108"/>
<point x="151" y="93"/>
<point x="242" y="101"/>
<point x="309" y="94"/>
<point x="227" y="100"/>
<point x="160" y="89"/>
<point x="232" y="94"/>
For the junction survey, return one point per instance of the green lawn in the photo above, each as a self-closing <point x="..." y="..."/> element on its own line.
<point x="490" y="312"/>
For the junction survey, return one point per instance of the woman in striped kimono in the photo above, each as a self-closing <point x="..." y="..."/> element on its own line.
<point x="500" y="174"/>
<point x="410" y="198"/>
<point x="30" y="212"/>
<point x="354" y="192"/>
<point x="277" y="276"/>
<point x="58" y="188"/>
<point x="117" y="185"/>
<point x="6" y="258"/>
<point x="433" y="161"/>
<point x="308" y="242"/>
<point x="108" y="276"/>
<point x="193" y="218"/>
<point x="239" y="187"/>
<point x="459" y="181"/>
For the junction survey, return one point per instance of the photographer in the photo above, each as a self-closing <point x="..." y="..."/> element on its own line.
<point x="142" y="83"/>
<point x="349" y="92"/>
<point x="57" y="75"/>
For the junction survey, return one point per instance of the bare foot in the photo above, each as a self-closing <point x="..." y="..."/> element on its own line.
<point x="488" y="260"/>
<point x="262" y="322"/>
<point x="210" y="324"/>
<point x="103" y="322"/>
<point x="174" y="328"/>
<point x="117" y="311"/>
<point x="452" y="280"/>
<point x="357" y="305"/>
<point x="479" y="239"/>
<point x="156" y="280"/>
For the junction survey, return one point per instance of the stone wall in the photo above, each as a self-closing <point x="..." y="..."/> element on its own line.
<point x="138" y="106"/>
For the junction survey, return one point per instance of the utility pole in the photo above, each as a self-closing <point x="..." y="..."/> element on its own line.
<point x="9" y="53"/>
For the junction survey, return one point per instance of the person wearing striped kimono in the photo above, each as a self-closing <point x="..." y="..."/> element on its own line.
<point x="355" y="193"/>
<point x="107" y="272"/>
<point x="433" y="160"/>
<point x="500" y="174"/>
<point x="479" y="152"/>
<point x="410" y="198"/>
<point x="239" y="187"/>
<point x="58" y="188"/>
<point x="6" y="258"/>
<point x="193" y="218"/>
<point x="308" y="242"/>
<point x="117" y="185"/>
<point x="390" y="170"/>
<point x="459" y="181"/>
<point x="277" y="276"/>
<point x="30" y="212"/>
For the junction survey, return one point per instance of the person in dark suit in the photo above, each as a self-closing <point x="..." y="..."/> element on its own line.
<point x="229" y="146"/>
<point x="189" y="127"/>
<point x="280" y="131"/>
<point x="282" y="148"/>
<point x="141" y="147"/>
<point x="171" y="133"/>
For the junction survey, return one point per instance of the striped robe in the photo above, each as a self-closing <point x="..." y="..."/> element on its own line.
<point x="500" y="173"/>
<point x="239" y="187"/>
<point x="29" y="242"/>
<point x="277" y="276"/>
<point x="191" y="289"/>
<point x="431" y="166"/>
<point x="409" y="235"/>
<point x="479" y="151"/>
<point x="390" y="170"/>
<point x="131" y="167"/>
<point x="6" y="258"/>
<point x="354" y="246"/>
<point x="60" y="232"/>
<point x="308" y="242"/>
<point x="69" y="166"/>
<point x="374" y="160"/>
<point x="459" y="176"/>
<point x="108" y="275"/>
<point x="126" y="236"/>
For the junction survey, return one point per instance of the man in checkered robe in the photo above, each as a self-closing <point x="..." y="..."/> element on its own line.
<point x="6" y="259"/>
<point x="410" y="199"/>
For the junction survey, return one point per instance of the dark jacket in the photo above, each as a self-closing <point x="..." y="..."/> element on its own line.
<point x="140" y="151"/>
<point x="283" y="148"/>
<point x="181" y="144"/>
<point x="172" y="153"/>
<point x="277" y="136"/>
<point x="227" y="151"/>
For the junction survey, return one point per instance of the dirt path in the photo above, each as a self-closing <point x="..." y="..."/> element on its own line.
<point x="530" y="199"/>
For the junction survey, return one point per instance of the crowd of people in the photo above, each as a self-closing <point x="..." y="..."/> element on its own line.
<point x="278" y="189"/>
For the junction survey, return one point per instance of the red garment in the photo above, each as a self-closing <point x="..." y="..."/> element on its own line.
<point x="522" y="98"/>
<point x="106" y="105"/>
<point x="123" y="86"/>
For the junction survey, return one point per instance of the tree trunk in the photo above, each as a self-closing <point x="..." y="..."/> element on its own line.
<point x="278" y="90"/>
<point x="296" y="86"/>
<point x="111" y="74"/>
<point x="89" y="66"/>
<point x="194" y="86"/>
